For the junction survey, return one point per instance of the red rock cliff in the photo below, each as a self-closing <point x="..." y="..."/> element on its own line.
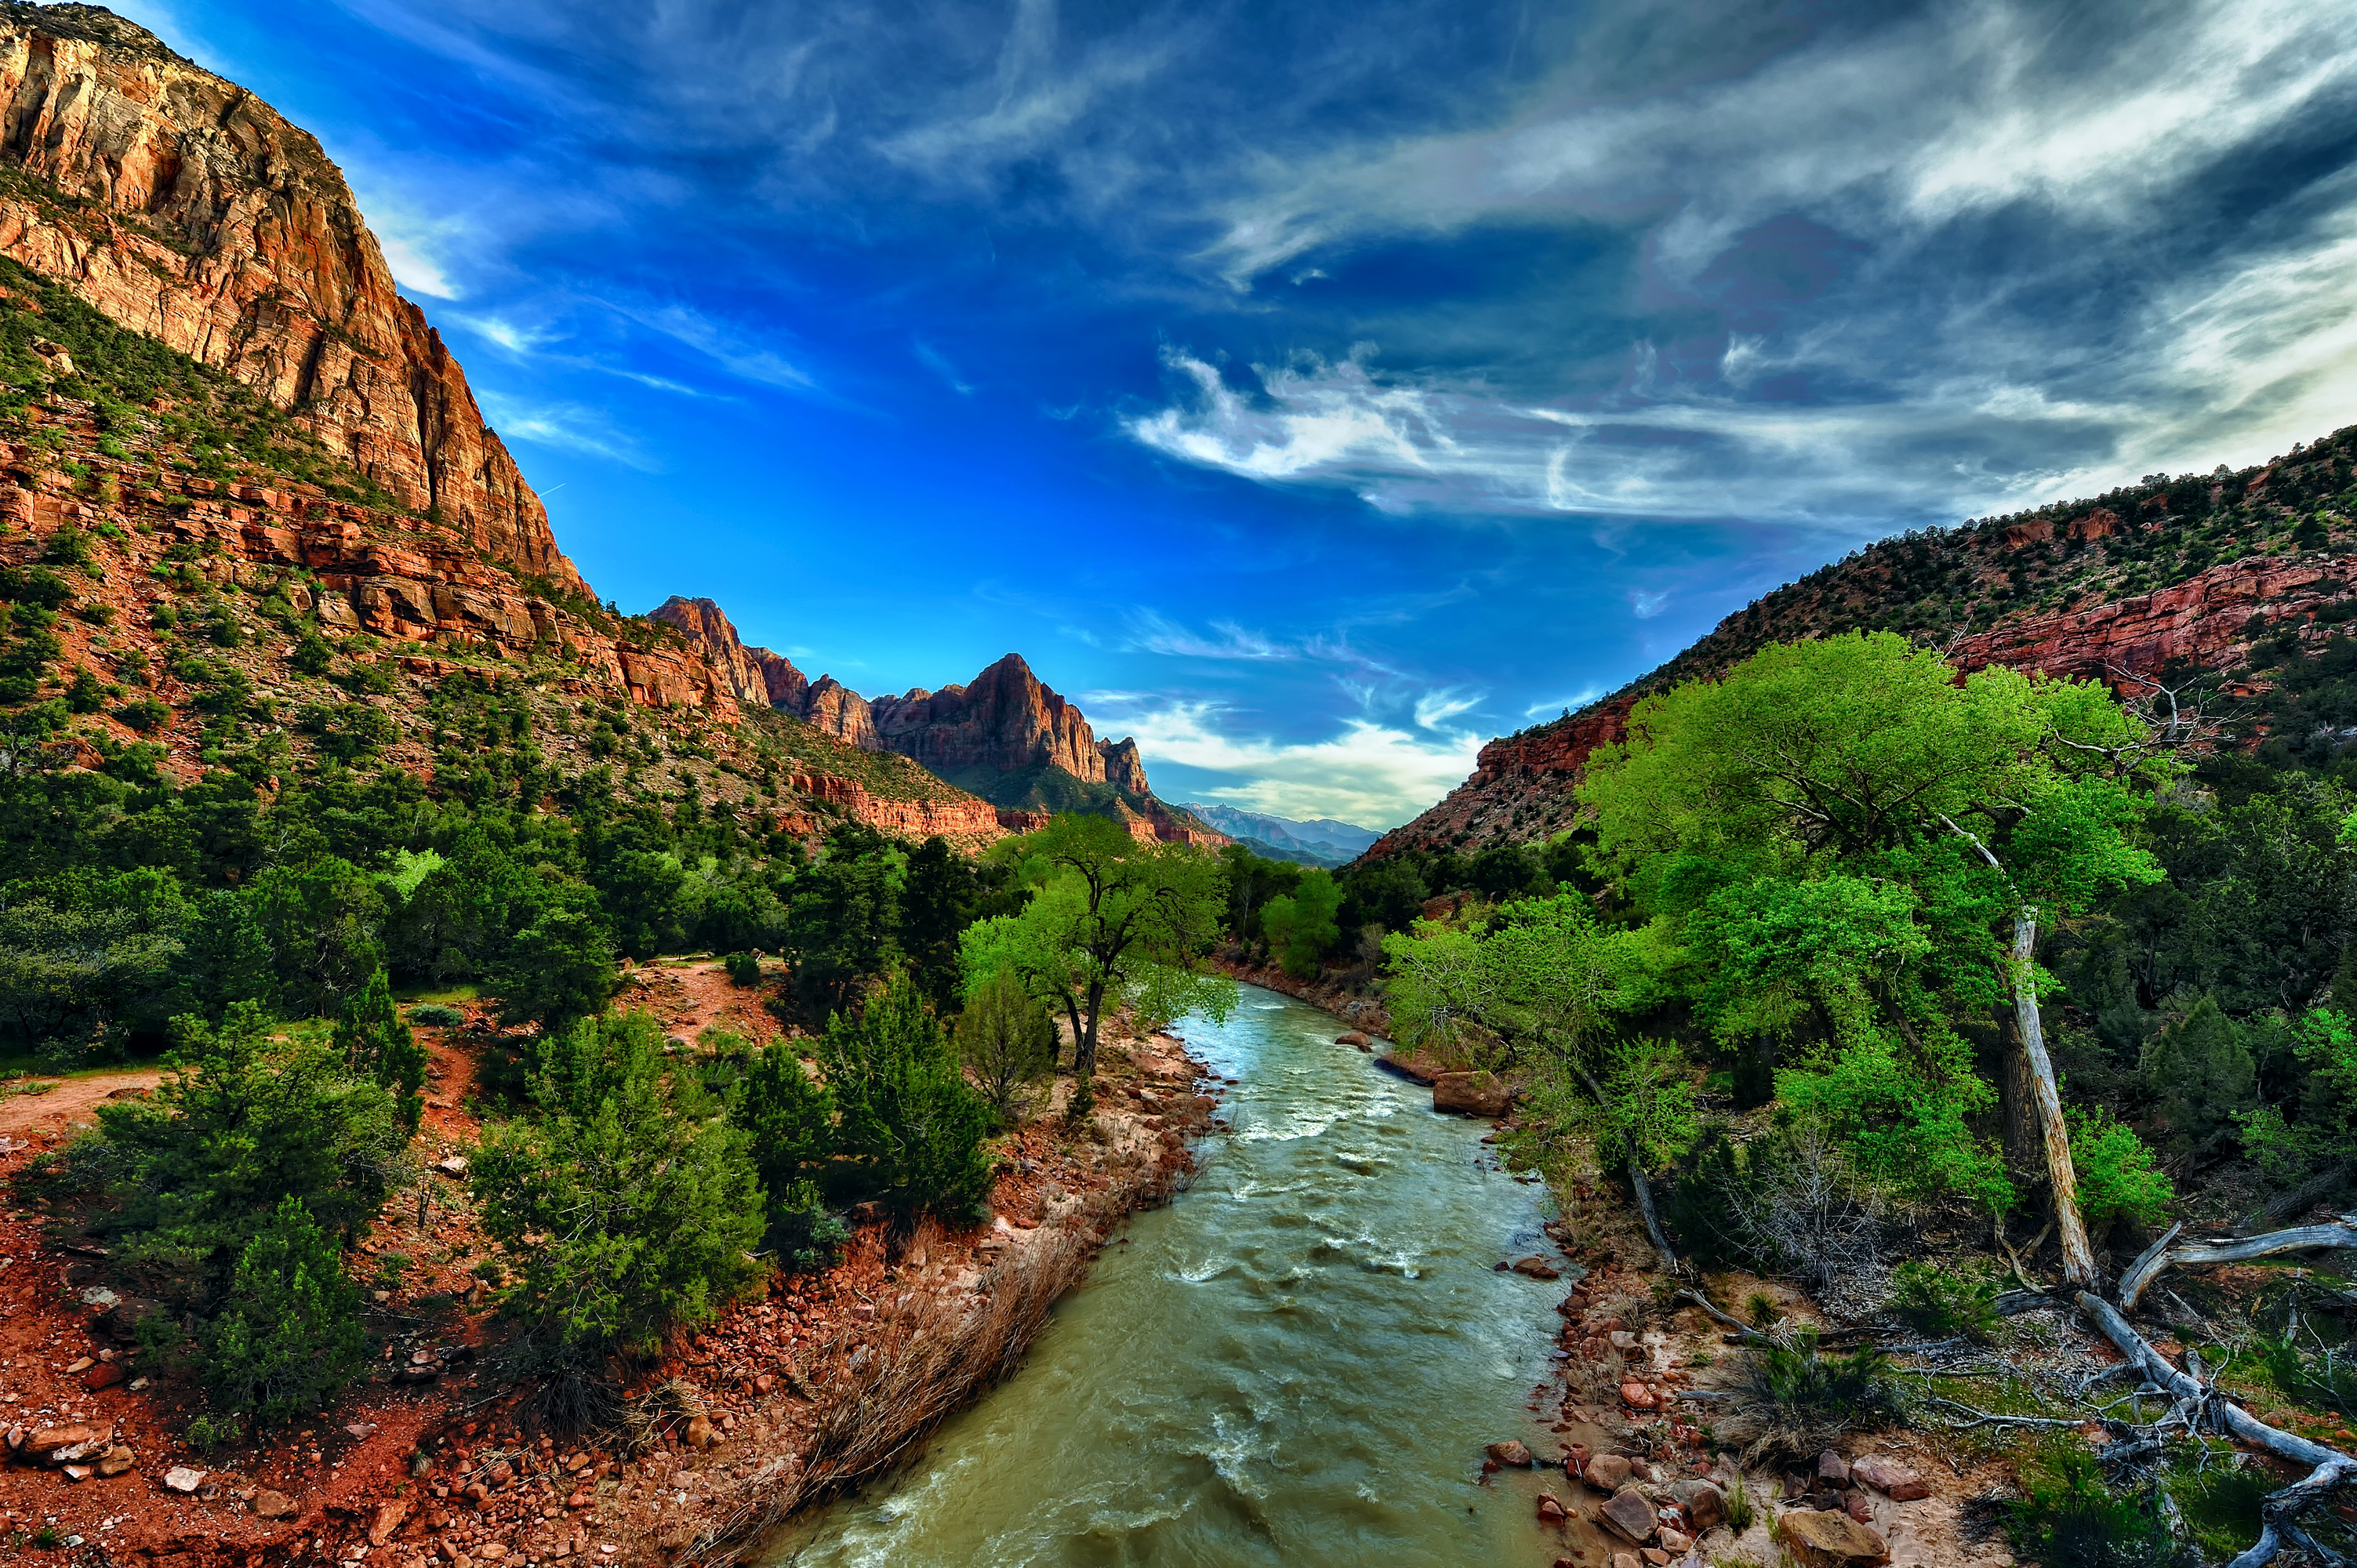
<point x="750" y="674"/>
<point x="1006" y="720"/>
<point x="196" y="213"/>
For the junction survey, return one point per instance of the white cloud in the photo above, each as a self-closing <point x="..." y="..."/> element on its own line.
<point x="568" y="427"/>
<point x="1150" y="631"/>
<point x="1367" y="772"/>
<point x="1645" y="604"/>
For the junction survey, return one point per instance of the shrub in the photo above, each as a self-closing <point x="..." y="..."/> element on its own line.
<point x="1957" y="1299"/>
<point x="743" y="968"/>
<point x="312" y="656"/>
<point x="559" y="966"/>
<point x="1007" y="1041"/>
<point x="2200" y="1071"/>
<point x="638" y="1200"/>
<point x="290" y="1337"/>
<point x="2115" y="1171"/>
<point x="434" y="1016"/>
<point x="144" y="715"/>
<point x="907" y="1111"/>
<point x="376" y="1044"/>
<point x="1792" y="1402"/>
<point x="2068" y="1517"/>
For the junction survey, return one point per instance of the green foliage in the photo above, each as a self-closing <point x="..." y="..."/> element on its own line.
<point x="1793" y="1399"/>
<point x="2117" y="1178"/>
<point x="743" y="968"/>
<point x="639" y="1196"/>
<point x="557" y="969"/>
<point x="2202" y="1073"/>
<point x="321" y="918"/>
<point x="907" y="1113"/>
<point x="788" y="1120"/>
<point x="1948" y="1299"/>
<point x="843" y="921"/>
<point x="2067" y="1517"/>
<point x="436" y="1015"/>
<point x="376" y="1044"/>
<point x="290" y="1337"/>
<point x="312" y="656"/>
<point x="244" y="1124"/>
<point x="1301" y="928"/>
<point x="1007" y="1042"/>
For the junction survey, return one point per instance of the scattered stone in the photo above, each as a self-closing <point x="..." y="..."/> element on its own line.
<point x="1623" y="1340"/>
<point x="1833" y="1468"/>
<point x="1705" y="1504"/>
<point x="1537" y="1269"/>
<point x="1471" y="1093"/>
<point x="451" y="1164"/>
<point x="1626" y="1560"/>
<point x="180" y="1478"/>
<point x="388" y="1519"/>
<point x="700" y="1433"/>
<point x="76" y="1367"/>
<point x="360" y="1431"/>
<point x="1653" y="1556"/>
<point x="116" y="1460"/>
<point x="1834" y="1537"/>
<point x="272" y="1505"/>
<point x="1857" y="1507"/>
<point x="1637" y="1396"/>
<point x="61" y="1445"/>
<point x="1675" y="1540"/>
<point x="1631" y="1513"/>
<point x="1551" y="1509"/>
<point x="1512" y="1452"/>
<point x="1888" y="1476"/>
<point x="1608" y="1472"/>
<point x="104" y="1375"/>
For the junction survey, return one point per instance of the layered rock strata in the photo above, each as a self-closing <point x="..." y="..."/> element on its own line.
<point x="183" y="207"/>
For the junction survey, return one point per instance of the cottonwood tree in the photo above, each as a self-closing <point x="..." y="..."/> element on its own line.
<point x="1113" y="920"/>
<point x="1865" y="842"/>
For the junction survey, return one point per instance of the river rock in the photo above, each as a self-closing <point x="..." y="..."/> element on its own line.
<point x="1355" y="1037"/>
<point x="1637" y="1396"/>
<point x="1537" y="1269"/>
<point x="1674" y="1542"/>
<point x="1832" y="1468"/>
<point x="1630" y="1512"/>
<point x="1855" y="1504"/>
<point x="1551" y="1509"/>
<point x="1627" y="1559"/>
<point x="63" y="1445"/>
<point x="1513" y="1452"/>
<point x="1608" y="1472"/>
<point x="1705" y="1504"/>
<point x="1471" y="1093"/>
<point x="1888" y="1476"/>
<point x="1833" y="1537"/>
<point x="116" y="1460"/>
<point x="104" y="1375"/>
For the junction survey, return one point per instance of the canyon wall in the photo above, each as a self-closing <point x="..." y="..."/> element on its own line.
<point x="194" y="212"/>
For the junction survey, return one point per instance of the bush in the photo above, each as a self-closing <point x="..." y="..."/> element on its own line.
<point x="743" y="968"/>
<point x="638" y="1200"/>
<point x="144" y="715"/>
<point x="434" y="1016"/>
<point x="2117" y="1177"/>
<point x="907" y="1111"/>
<point x="376" y="1044"/>
<point x="2200" y="1071"/>
<point x="1946" y="1302"/>
<point x="290" y="1337"/>
<point x="2068" y="1517"/>
<point x="1007" y="1041"/>
<point x="1793" y="1403"/>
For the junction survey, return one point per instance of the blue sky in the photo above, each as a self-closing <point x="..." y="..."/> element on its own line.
<point x="1315" y="390"/>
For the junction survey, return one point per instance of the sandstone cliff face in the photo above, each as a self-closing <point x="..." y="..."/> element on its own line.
<point x="1005" y="721"/>
<point x="199" y="216"/>
<point x="841" y="713"/>
<point x="750" y="674"/>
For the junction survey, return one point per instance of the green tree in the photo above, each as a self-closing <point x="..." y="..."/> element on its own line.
<point x="1979" y="801"/>
<point x="245" y="1123"/>
<point x="907" y="1111"/>
<point x="2200" y="1071"/>
<point x="289" y="1338"/>
<point x="322" y="919"/>
<point x="1113" y="920"/>
<point x="1007" y="1041"/>
<point x="557" y="969"/>
<point x="1301" y="928"/>
<point x="937" y="902"/>
<point x="377" y="1043"/>
<point x="842" y="921"/>
<point x="789" y="1120"/>
<point x="630" y="1201"/>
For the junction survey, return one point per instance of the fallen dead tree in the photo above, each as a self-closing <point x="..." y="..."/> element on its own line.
<point x="2200" y="1405"/>
<point x="2161" y="1254"/>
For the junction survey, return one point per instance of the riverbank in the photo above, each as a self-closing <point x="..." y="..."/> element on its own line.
<point x="438" y="1462"/>
<point x="1356" y="1006"/>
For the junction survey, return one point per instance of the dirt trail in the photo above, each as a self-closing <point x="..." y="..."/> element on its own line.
<point x="73" y="1099"/>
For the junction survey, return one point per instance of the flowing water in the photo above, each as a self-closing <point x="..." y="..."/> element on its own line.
<point x="1296" y="1362"/>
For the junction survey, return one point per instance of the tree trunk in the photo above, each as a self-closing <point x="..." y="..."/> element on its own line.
<point x="2025" y="1144"/>
<point x="2078" y="1256"/>
<point x="1659" y="1238"/>
<point x="1084" y="1050"/>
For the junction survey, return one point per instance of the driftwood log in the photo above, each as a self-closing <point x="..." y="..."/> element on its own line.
<point x="2329" y="1469"/>
<point x="2340" y="1233"/>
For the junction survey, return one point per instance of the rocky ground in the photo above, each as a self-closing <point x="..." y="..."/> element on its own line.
<point x="436" y="1459"/>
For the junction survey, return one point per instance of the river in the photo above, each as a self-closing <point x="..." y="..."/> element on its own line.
<point x="1297" y="1361"/>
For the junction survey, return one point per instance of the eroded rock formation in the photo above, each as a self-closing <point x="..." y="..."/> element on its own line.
<point x="194" y="212"/>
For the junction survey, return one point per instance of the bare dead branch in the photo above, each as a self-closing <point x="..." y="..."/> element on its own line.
<point x="2341" y="1233"/>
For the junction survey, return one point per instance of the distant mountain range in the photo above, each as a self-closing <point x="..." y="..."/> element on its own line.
<point x="1322" y="842"/>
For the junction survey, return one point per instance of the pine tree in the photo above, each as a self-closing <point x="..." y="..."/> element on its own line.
<point x="377" y="1043"/>
<point x="1008" y="1042"/>
<point x="291" y="1338"/>
<point x="2200" y="1071"/>
<point x="907" y="1110"/>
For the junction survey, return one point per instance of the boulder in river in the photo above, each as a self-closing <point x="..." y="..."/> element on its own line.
<point x="1551" y="1509"/>
<point x="1630" y="1512"/>
<point x="1608" y="1472"/>
<point x="1355" y="1037"/>
<point x="1471" y="1093"/>
<point x="1537" y="1269"/>
<point x="1513" y="1452"/>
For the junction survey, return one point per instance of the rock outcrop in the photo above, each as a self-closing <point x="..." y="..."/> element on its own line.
<point x="750" y="674"/>
<point x="185" y="208"/>
<point x="1006" y="720"/>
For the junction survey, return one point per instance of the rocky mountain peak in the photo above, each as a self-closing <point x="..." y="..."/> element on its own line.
<point x="198" y="214"/>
